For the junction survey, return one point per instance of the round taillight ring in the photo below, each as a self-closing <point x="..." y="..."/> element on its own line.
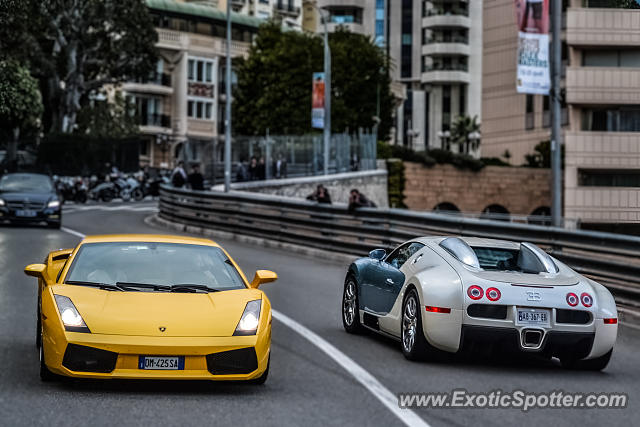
<point x="493" y="294"/>
<point x="475" y="292"/>
<point x="586" y="299"/>
<point x="572" y="299"/>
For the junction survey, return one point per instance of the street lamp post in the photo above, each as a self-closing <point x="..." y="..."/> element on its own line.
<point x="227" y="132"/>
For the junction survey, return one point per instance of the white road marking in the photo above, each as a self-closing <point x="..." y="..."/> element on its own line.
<point x="74" y="232"/>
<point x="379" y="391"/>
<point x="388" y="399"/>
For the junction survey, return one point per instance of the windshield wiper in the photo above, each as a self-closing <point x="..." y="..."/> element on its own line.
<point x="155" y="287"/>
<point x="192" y="287"/>
<point x="107" y="286"/>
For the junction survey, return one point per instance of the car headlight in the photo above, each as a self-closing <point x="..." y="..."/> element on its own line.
<point x="1" y="202"/>
<point x="54" y="204"/>
<point x="69" y="315"/>
<point x="248" y="324"/>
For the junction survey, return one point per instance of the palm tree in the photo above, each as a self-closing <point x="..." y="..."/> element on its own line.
<point x="466" y="132"/>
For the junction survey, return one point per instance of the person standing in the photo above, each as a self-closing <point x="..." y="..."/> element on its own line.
<point x="179" y="176"/>
<point x="195" y="178"/>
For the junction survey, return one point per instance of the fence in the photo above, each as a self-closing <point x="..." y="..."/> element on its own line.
<point x="609" y="258"/>
<point x="302" y="154"/>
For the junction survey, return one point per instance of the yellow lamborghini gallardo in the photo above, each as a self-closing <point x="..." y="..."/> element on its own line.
<point x="151" y="307"/>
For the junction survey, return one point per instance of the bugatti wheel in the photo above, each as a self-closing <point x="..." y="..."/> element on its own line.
<point x="414" y="344"/>
<point x="350" y="314"/>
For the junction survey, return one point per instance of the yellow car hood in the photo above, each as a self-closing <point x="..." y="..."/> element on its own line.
<point x="146" y="313"/>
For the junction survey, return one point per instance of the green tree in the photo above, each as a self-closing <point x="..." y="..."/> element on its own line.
<point x="274" y="83"/>
<point x="75" y="47"/>
<point x="20" y="103"/>
<point x="462" y="127"/>
<point x="108" y="118"/>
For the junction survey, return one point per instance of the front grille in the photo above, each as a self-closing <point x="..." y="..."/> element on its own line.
<point x="488" y="311"/>
<point x="88" y="359"/>
<point x="576" y="317"/>
<point x="241" y="361"/>
<point x="33" y="206"/>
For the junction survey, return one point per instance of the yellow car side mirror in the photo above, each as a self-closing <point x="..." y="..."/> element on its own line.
<point x="263" y="276"/>
<point x="35" y="270"/>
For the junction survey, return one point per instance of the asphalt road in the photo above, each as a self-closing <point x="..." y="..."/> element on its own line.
<point x="305" y="386"/>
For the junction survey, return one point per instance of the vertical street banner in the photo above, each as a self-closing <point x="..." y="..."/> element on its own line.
<point x="533" y="74"/>
<point x="317" y="101"/>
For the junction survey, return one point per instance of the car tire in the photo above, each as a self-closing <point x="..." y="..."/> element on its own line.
<point x="350" y="304"/>
<point x="55" y="225"/>
<point x="45" y="374"/>
<point x="262" y="378"/>
<point x="412" y="340"/>
<point x="597" y="364"/>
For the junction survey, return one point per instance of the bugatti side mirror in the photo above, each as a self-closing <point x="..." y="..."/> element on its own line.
<point x="378" y="254"/>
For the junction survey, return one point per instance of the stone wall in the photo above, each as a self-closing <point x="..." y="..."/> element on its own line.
<point x="520" y="190"/>
<point x="372" y="184"/>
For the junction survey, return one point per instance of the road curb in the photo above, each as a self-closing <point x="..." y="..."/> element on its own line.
<point x="156" y="221"/>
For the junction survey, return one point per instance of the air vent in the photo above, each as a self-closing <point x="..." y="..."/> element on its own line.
<point x="488" y="311"/>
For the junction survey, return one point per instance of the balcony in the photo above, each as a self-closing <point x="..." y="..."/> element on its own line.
<point x="178" y="40"/>
<point x="287" y="9"/>
<point x="158" y="84"/>
<point x="446" y="48"/>
<point x="446" y="20"/>
<point x="442" y="74"/>
<point x="603" y="85"/>
<point x="603" y="27"/>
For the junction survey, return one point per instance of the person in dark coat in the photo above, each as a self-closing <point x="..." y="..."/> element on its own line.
<point x="195" y="179"/>
<point x="359" y="200"/>
<point x="321" y="195"/>
<point x="253" y="169"/>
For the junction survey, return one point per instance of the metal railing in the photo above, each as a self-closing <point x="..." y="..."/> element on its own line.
<point x="608" y="258"/>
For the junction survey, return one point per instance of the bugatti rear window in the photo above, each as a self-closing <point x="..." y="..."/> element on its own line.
<point x="497" y="258"/>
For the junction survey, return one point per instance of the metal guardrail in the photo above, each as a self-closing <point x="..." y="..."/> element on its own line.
<point x="611" y="259"/>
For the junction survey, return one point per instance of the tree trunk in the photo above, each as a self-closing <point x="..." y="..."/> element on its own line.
<point x="12" y="151"/>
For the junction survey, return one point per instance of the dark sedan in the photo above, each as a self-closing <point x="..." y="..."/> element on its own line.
<point x="29" y="198"/>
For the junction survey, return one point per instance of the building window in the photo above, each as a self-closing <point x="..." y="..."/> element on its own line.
<point x="379" y="24"/>
<point x="611" y="58"/>
<point x="462" y="100"/>
<point x="529" y="119"/>
<point x="406" y="31"/>
<point x="446" y="107"/>
<point x="200" y="70"/>
<point x="345" y="15"/>
<point x="623" y="119"/>
<point x="609" y="178"/>
<point x="202" y="110"/>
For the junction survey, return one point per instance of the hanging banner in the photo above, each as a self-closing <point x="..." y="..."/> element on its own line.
<point x="533" y="47"/>
<point x="317" y="101"/>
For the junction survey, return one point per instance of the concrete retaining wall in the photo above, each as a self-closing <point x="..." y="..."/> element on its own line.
<point x="372" y="184"/>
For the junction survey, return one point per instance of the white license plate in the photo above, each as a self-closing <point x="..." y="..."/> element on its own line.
<point x="532" y="316"/>
<point x="171" y="363"/>
<point x="27" y="214"/>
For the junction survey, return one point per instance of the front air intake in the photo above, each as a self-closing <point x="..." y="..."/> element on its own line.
<point x="88" y="359"/>
<point x="241" y="361"/>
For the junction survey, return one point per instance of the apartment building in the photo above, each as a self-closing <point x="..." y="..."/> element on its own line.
<point x="435" y="48"/>
<point x="601" y="108"/>
<point x="181" y="106"/>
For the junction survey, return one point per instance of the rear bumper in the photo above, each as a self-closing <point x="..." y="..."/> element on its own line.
<point x="200" y="353"/>
<point x="576" y="345"/>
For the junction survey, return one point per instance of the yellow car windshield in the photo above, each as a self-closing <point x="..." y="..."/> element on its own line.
<point x="154" y="266"/>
